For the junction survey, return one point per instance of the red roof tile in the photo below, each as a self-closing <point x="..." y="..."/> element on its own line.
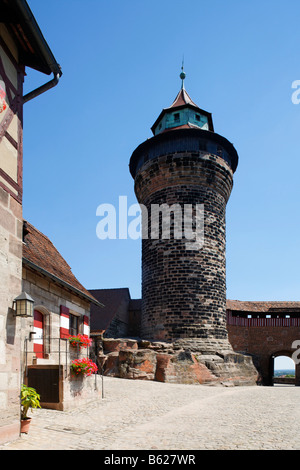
<point x="182" y="98"/>
<point x="39" y="252"/>
<point x="183" y="126"/>
<point x="112" y="299"/>
<point x="260" y="306"/>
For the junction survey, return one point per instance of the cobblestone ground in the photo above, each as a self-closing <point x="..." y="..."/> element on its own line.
<point x="140" y="415"/>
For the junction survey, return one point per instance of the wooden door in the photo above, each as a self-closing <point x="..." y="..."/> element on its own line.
<point x="45" y="379"/>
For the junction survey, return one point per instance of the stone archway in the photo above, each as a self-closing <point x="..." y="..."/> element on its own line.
<point x="282" y="368"/>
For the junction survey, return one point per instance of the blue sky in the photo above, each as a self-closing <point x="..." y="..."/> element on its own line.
<point x="121" y="62"/>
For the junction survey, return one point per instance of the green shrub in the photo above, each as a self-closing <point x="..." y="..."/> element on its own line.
<point x="29" y="399"/>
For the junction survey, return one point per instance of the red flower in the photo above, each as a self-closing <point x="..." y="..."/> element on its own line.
<point x="84" y="366"/>
<point x="80" y="341"/>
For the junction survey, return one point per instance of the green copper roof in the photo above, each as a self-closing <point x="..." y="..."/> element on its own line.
<point x="183" y="113"/>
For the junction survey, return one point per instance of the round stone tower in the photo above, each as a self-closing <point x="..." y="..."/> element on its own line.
<point x="183" y="178"/>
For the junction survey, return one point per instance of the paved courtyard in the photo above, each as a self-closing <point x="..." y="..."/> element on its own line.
<point x="140" y="415"/>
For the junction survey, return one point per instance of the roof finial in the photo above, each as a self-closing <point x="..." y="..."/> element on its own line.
<point x="182" y="75"/>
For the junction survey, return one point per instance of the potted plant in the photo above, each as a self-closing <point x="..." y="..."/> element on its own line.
<point x="29" y="399"/>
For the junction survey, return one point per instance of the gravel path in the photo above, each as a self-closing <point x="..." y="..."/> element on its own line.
<point x="142" y="415"/>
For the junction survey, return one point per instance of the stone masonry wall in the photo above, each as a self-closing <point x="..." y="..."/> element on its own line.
<point x="264" y="342"/>
<point x="10" y="326"/>
<point x="48" y="298"/>
<point x="184" y="290"/>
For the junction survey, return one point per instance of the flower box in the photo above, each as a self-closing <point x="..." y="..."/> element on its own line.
<point x="83" y="367"/>
<point x="80" y="341"/>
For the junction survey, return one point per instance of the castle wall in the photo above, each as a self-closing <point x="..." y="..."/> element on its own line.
<point x="264" y="343"/>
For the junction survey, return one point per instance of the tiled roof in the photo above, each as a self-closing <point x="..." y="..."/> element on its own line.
<point x="260" y="306"/>
<point x="33" y="49"/>
<point x="40" y="254"/>
<point x="112" y="299"/>
<point x="184" y="126"/>
<point x="182" y="99"/>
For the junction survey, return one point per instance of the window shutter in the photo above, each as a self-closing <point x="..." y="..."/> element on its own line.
<point x="47" y="334"/>
<point x="64" y="321"/>
<point x="86" y="325"/>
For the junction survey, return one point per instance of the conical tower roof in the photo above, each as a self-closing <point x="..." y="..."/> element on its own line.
<point x="183" y="113"/>
<point x="182" y="99"/>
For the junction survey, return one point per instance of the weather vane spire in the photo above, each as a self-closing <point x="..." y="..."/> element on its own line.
<point x="182" y="75"/>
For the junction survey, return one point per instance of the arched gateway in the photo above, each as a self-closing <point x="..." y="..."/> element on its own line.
<point x="265" y="330"/>
<point x="283" y="368"/>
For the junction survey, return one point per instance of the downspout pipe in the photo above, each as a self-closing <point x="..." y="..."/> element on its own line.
<point x="42" y="89"/>
<point x="44" y="49"/>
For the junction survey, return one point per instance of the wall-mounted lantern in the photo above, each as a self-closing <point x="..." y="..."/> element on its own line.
<point x="23" y="305"/>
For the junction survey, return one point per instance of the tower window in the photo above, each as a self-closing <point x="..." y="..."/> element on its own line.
<point x="197" y="116"/>
<point x="176" y="117"/>
<point x="219" y="151"/>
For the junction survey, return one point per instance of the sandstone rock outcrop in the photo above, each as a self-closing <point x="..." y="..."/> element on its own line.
<point x="178" y="362"/>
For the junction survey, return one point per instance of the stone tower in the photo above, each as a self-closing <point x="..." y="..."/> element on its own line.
<point x="184" y="173"/>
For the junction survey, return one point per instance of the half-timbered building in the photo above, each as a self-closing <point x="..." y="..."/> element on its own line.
<point x="21" y="45"/>
<point x="41" y="301"/>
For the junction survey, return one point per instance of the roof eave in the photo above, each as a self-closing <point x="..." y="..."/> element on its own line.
<point x="64" y="284"/>
<point x="19" y="18"/>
